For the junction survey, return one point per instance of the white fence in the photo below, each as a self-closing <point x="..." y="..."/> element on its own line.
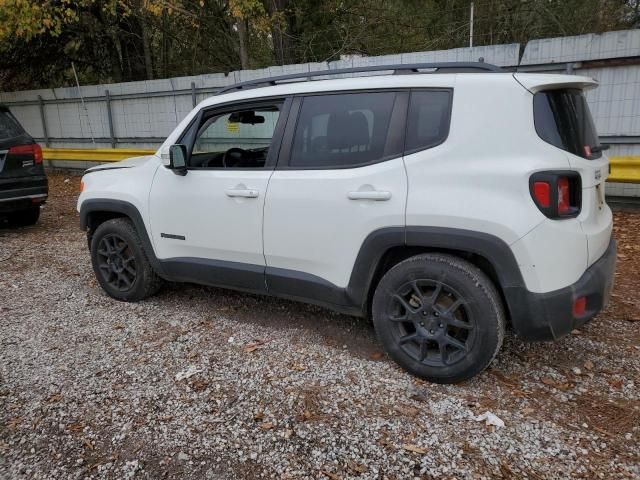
<point x="142" y="114"/>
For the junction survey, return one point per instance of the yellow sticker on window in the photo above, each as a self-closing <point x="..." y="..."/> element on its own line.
<point x="233" y="127"/>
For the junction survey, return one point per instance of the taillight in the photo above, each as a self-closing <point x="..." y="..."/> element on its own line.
<point x="564" y="201"/>
<point x="542" y="194"/>
<point x="33" y="149"/>
<point x="557" y="194"/>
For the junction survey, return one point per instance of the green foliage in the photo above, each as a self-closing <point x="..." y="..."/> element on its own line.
<point x="123" y="40"/>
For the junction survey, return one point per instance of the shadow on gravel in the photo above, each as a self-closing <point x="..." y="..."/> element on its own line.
<point x="337" y="330"/>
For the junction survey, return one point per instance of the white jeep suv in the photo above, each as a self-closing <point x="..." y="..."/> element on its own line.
<point x="447" y="206"/>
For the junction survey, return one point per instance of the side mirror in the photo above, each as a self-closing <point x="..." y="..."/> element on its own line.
<point x="178" y="159"/>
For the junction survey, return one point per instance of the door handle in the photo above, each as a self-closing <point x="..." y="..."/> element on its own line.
<point x="378" y="195"/>
<point x="242" y="192"/>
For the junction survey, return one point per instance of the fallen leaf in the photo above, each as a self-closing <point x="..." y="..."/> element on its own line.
<point x="54" y="398"/>
<point x="75" y="427"/>
<point x="332" y="476"/>
<point x="549" y="381"/>
<point x="119" y="326"/>
<point x="298" y="367"/>
<point x="356" y="467"/>
<point x="588" y="365"/>
<point x="253" y="346"/>
<point x="376" y="356"/>
<point x="407" y="411"/>
<point x="258" y="416"/>
<point x="617" y="384"/>
<point x="527" y="411"/>
<point x="14" y="422"/>
<point x="199" y="384"/>
<point x="576" y="332"/>
<point x="266" y="425"/>
<point x="414" y="448"/>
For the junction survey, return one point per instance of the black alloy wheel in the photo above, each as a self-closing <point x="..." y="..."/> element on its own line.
<point x="432" y="323"/>
<point x="116" y="262"/>
<point x="120" y="261"/>
<point x="439" y="317"/>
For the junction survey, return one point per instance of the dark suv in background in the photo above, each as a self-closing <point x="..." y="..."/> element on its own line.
<point x="23" y="182"/>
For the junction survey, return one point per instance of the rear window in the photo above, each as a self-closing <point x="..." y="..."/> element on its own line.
<point x="9" y="126"/>
<point x="562" y="118"/>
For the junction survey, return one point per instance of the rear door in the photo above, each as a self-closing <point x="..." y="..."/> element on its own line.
<point x="339" y="178"/>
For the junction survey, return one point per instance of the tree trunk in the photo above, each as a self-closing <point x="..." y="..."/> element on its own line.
<point x="281" y="32"/>
<point x="243" y="38"/>
<point x="146" y="46"/>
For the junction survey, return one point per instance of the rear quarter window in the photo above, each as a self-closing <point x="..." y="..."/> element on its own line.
<point x="428" y="119"/>
<point x="562" y="118"/>
<point x="9" y="126"/>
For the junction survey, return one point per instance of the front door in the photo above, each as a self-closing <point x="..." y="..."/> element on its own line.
<point x="210" y="220"/>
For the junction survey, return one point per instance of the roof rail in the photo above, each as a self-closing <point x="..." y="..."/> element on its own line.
<point x="398" y="69"/>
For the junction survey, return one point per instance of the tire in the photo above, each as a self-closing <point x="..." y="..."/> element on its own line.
<point x="120" y="263"/>
<point x="439" y="317"/>
<point x="24" y="218"/>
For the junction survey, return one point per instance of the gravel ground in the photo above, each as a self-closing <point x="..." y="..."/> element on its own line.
<point x="206" y="383"/>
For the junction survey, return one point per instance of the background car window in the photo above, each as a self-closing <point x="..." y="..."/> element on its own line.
<point x="342" y="130"/>
<point x="9" y="126"/>
<point x="428" y="119"/>
<point x="236" y="139"/>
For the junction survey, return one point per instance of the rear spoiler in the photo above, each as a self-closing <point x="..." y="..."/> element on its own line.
<point x="534" y="82"/>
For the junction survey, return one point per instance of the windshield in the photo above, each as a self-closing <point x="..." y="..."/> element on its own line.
<point x="9" y="126"/>
<point x="563" y="119"/>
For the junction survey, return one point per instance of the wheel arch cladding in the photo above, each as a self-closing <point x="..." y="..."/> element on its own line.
<point x="386" y="247"/>
<point x="93" y="212"/>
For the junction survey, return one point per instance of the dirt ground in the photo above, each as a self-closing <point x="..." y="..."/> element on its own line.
<point x="201" y="382"/>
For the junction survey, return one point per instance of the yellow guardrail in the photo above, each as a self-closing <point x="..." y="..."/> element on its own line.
<point x="623" y="168"/>
<point x="93" y="154"/>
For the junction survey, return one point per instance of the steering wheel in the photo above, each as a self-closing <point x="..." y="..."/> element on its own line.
<point x="231" y="155"/>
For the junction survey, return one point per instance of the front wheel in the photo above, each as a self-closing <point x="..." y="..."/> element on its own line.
<point x="439" y="317"/>
<point x="120" y="262"/>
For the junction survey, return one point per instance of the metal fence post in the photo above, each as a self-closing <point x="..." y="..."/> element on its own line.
<point x="111" y="132"/>
<point x="193" y="94"/>
<point x="44" y="121"/>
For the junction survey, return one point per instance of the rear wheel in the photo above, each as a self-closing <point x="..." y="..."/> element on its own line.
<point x="25" y="217"/>
<point x="439" y="317"/>
<point x="120" y="262"/>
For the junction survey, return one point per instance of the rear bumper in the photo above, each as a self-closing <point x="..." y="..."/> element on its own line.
<point x="549" y="316"/>
<point x="22" y="193"/>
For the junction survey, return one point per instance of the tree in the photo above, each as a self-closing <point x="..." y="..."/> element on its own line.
<point x="124" y="40"/>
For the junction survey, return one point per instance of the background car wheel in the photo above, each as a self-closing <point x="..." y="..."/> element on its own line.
<point x="25" y="217"/>
<point x="439" y="317"/>
<point x="120" y="262"/>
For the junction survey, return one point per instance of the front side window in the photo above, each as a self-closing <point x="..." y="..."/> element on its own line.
<point x="428" y="119"/>
<point x="562" y="118"/>
<point x="235" y="139"/>
<point x="342" y="130"/>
